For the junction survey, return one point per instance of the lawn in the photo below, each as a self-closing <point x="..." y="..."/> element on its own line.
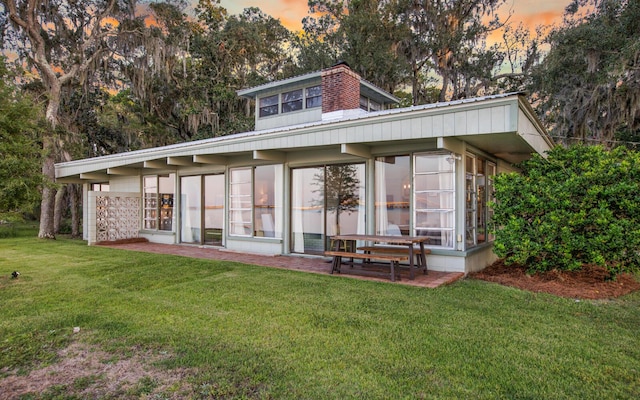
<point x="229" y="330"/>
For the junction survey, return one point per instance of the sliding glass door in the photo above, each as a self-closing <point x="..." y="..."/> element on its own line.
<point x="191" y="209"/>
<point x="326" y="201"/>
<point x="202" y="224"/>
<point x="214" y="195"/>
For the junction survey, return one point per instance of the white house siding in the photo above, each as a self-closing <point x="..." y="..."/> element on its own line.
<point x="255" y="245"/>
<point x="125" y="183"/>
<point x="291" y="118"/>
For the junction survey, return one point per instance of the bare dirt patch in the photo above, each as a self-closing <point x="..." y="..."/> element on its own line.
<point x="589" y="283"/>
<point x="84" y="371"/>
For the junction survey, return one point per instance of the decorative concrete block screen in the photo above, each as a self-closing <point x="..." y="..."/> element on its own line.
<point x="113" y="216"/>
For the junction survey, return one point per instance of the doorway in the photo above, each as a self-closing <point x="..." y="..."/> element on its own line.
<point x="202" y="200"/>
<point x="326" y="201"/>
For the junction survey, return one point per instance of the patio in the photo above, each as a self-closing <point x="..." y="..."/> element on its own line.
<point x="316" y="265"/>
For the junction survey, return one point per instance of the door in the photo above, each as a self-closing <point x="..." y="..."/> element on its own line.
<point x="214" y="195"/>
<point x="325" y="201"/>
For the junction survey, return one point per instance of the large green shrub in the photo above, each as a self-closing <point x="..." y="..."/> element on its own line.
<point x="579" y="206"/>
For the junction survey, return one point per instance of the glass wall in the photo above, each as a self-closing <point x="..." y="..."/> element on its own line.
<point x="214" y="196"/>
<point x="256" y="201"/>
<point x="158" y="192"/>
<point x="434" y="201"/>
<point x="307" y="211"/>
<point x="393" y="189"/>
<point x="190" y="208"/>
<point x="202" y="224"/>
<point x="240" y="207"/>
<point x="479" y="174"/>
<point x="326" y="201"/>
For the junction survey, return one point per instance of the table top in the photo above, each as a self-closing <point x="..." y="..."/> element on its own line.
<point x="383" y="238"/>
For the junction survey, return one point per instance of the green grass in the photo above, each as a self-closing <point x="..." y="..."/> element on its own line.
<point x="254" y="332"/>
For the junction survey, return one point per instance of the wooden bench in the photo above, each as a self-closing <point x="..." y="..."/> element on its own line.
<point x="393" y="260"/>
<point x="397" y="250"/>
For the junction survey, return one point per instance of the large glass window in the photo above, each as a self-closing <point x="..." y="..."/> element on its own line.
<point x="256" y="201"/>
<point x="267" y="200"/>
<point x="326" y="201"/>
<point x="190" y="208"/>
<point x="158" y="193"/>
<point x="202" y="224"/>
<point x="214" y="196"/>
<point x="269" y="105"/>
<point x="434" y="198"/>
<point x="479" y="175"/>
<point x="292" y="101"/>
<point x="240" y="207"/>
<point x="393" y="193"/>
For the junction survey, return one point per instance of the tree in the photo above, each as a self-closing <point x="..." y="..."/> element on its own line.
<point x="577" y="207"/>
<point x="393" y="42"/>
<point x="339" y="188"/>
<point x="20" y="178"/>
<point x="66" y="42"/>
<point x="588" y="82"/>
<point x="364" y="33"/>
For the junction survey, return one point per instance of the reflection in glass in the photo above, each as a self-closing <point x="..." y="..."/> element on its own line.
<point x="314" y="96"/>
<point x="240" y="208"/>
<point x="292" y="101"/>
<point x="214" y="209"/>
<point x="267" y="201"/>
<point x="190" y="195"/>
<point x="307" y="212"/>
<point x="344" y="195"/>
<point x="393" y="189"/>
<point x="269" y="106"/>
<point x="326" y="201"/>
<point x="434" y="212"/>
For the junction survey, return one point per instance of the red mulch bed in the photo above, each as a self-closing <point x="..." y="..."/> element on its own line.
<point x="589" y="283"/>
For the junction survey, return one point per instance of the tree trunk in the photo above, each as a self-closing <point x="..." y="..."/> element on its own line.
<point x="47" y="205"/>
<point x="414" y="84"/>
<point x="74" y="194"/>
<point x="60" y="206"/>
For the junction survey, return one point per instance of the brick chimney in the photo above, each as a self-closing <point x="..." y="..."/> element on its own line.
<point x="340" y="88"/>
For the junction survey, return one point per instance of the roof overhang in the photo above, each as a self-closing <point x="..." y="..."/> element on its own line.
<point x="508" y="130"/>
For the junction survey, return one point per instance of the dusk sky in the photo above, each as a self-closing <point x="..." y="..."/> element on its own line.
<point x="291" y="12"/>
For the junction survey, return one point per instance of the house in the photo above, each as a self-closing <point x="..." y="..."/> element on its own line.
<point x="328" y="156"/>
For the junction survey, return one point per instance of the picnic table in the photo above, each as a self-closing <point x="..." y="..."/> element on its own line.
<point x="381" y="248"/>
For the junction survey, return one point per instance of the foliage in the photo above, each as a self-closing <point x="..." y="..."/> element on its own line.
<point x="20" y="158"/>
<point x="339" y="190"/>
<point x="579" y="206"/>
<point x="228" y="330"/>
<point x="588" y="82"/>
<point x="70" y="44"/>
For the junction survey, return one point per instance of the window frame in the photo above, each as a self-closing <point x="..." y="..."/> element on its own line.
<point x="308" y="98"/>
<point x="304" y="100"/>
<point x="479" y="191"/>
<point x="262" y="108"/>
<point x="446" y="233"/>
<point x="293" y="104"/>
<point x="246" y="203"/>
